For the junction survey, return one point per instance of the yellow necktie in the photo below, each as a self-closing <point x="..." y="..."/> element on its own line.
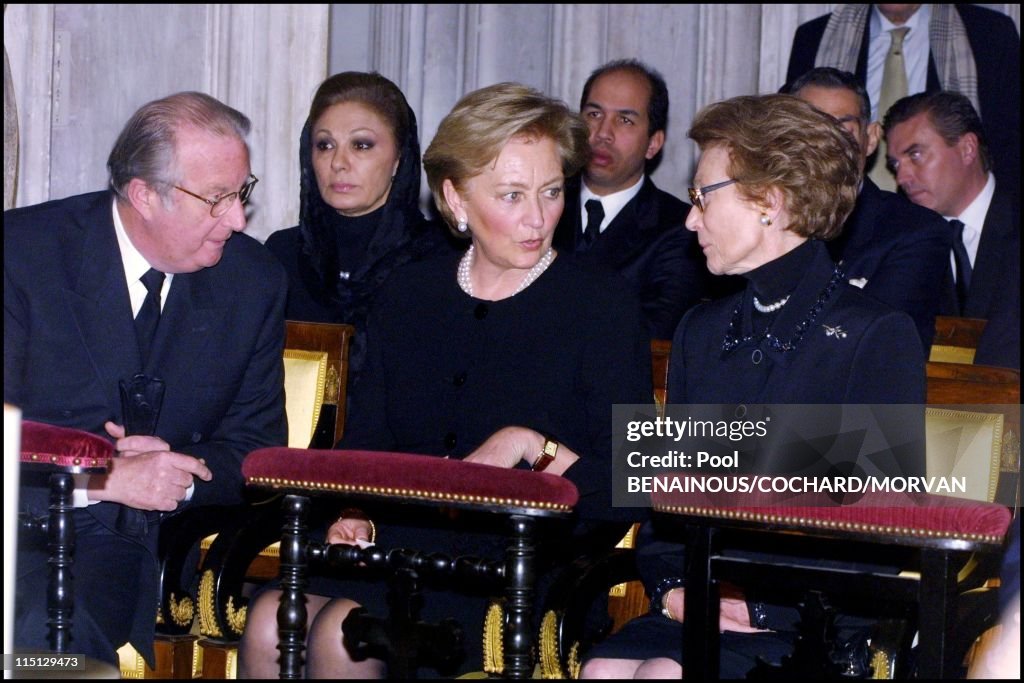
<point x="894" y="87"/>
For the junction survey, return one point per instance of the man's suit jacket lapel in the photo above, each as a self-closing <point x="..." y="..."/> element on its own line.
<point x="626" y="233"/>
<point x="996" y="245"/>
<point x="858" y="230"/>
<point x="569" y="231"/>
<point x="189" y="314"/>
<point x="98" y="301"/>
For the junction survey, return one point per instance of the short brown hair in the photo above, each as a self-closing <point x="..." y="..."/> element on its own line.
<point x="473" y="134"/>
<point x="782" y="142"/>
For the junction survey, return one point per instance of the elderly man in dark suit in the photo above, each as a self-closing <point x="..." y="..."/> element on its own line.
<point x="614" y="215"/>
<point x="891" y="248"/>
<point x="208" y="308"/>
<point x="963" y="47"/>
<point x="941" y="158"/>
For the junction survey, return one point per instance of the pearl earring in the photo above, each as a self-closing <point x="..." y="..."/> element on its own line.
<point x="765" y="221"/>
<point x="463" y="226"/>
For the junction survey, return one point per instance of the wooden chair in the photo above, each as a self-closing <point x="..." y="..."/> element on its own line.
<point x="958" y="388"/>
<point x="973" y="420"/>
<point x="60" y="453"/>
<point x="524" y="499"/>
<point x="941" y="532"/>
<point x="956" y="339"/>
<point x="239" y="542"/>
<point x="249" y="550"/>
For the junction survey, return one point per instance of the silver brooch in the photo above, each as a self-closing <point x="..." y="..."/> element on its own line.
<point x="838" y="332"/>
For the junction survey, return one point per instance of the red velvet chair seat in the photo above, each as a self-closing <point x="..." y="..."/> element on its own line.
<point x="407" y="477"/>
<point x="921" y="516"/>
<point x="523" y="496"/>
<point x="941" y="531"/>
<point x="63" y="447"/>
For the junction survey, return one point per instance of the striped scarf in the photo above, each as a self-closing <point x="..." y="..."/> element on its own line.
<point x="954" y="60"/>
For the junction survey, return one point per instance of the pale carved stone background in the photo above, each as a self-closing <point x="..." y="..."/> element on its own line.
<point x="79" y="71"/>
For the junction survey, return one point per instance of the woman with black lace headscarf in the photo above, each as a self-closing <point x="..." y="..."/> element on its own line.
<point x="359" y="216"/>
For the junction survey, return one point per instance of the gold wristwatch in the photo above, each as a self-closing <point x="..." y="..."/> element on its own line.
<point x="547" y="453"/>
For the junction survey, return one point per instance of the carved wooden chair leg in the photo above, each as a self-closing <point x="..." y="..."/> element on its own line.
<point x="936" y="614"/>
<point x="701" y="607"/>
<point x="61" y="531"/>
<point x="520" y="568"/>
<point x="291" y="614"/>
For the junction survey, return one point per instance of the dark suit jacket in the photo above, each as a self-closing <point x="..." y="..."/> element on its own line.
<point x="996" y="46"/>
<point x="648" y="244"/>
<point x="995" y="284"/>
<point x="69" y="337"/>
<point x="901" y="249"/>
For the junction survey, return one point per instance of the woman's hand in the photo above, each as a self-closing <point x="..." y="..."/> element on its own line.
<point x="350" y="531"/>
<point x="507" y="446"/>
<point x="733" y="613"/>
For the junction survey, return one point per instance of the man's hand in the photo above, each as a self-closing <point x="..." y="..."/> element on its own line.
<point x="147" y="475"/>
<point x="134" y="445"/>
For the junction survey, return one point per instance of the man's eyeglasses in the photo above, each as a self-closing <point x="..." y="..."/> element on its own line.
<point x="220" y="205"/>
<point x="697" y="193"/>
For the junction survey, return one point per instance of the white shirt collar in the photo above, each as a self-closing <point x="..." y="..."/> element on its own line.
<point x="879" y="23"/>
<point x="135" y="266"/>
<point x="973" y="217"/>
<point x="611" y="203"/>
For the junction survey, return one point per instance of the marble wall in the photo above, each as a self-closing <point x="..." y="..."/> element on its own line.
<point x="80" y="70"/>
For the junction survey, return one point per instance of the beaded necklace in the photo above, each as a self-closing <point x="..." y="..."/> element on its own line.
<point x="774" y="343"/>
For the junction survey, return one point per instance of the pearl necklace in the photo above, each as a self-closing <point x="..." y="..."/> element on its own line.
<point x="467" y="260"/>
<point x="770" y="308"/>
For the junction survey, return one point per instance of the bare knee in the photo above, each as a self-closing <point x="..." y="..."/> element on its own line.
<point x="329" y="656"/>
<point x="258" y="653"/>
<point x="605" y="668"/>
<point x="660" y="667"/>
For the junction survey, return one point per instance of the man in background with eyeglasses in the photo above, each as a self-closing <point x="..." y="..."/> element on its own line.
<point x="147" y="278"/>
<point x="891" y="248"/>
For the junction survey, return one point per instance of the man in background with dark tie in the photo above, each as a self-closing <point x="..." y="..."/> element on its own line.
<point x="940" y="156"/>
<point x="144" y="284"/>
<point x="614" y="215"/>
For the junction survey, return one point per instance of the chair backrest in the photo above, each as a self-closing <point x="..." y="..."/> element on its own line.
<point x="316" y="382"/>
<point x="660" y="350"/>
<point x="956" y="339"/>
<point x="973" y="428"/>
